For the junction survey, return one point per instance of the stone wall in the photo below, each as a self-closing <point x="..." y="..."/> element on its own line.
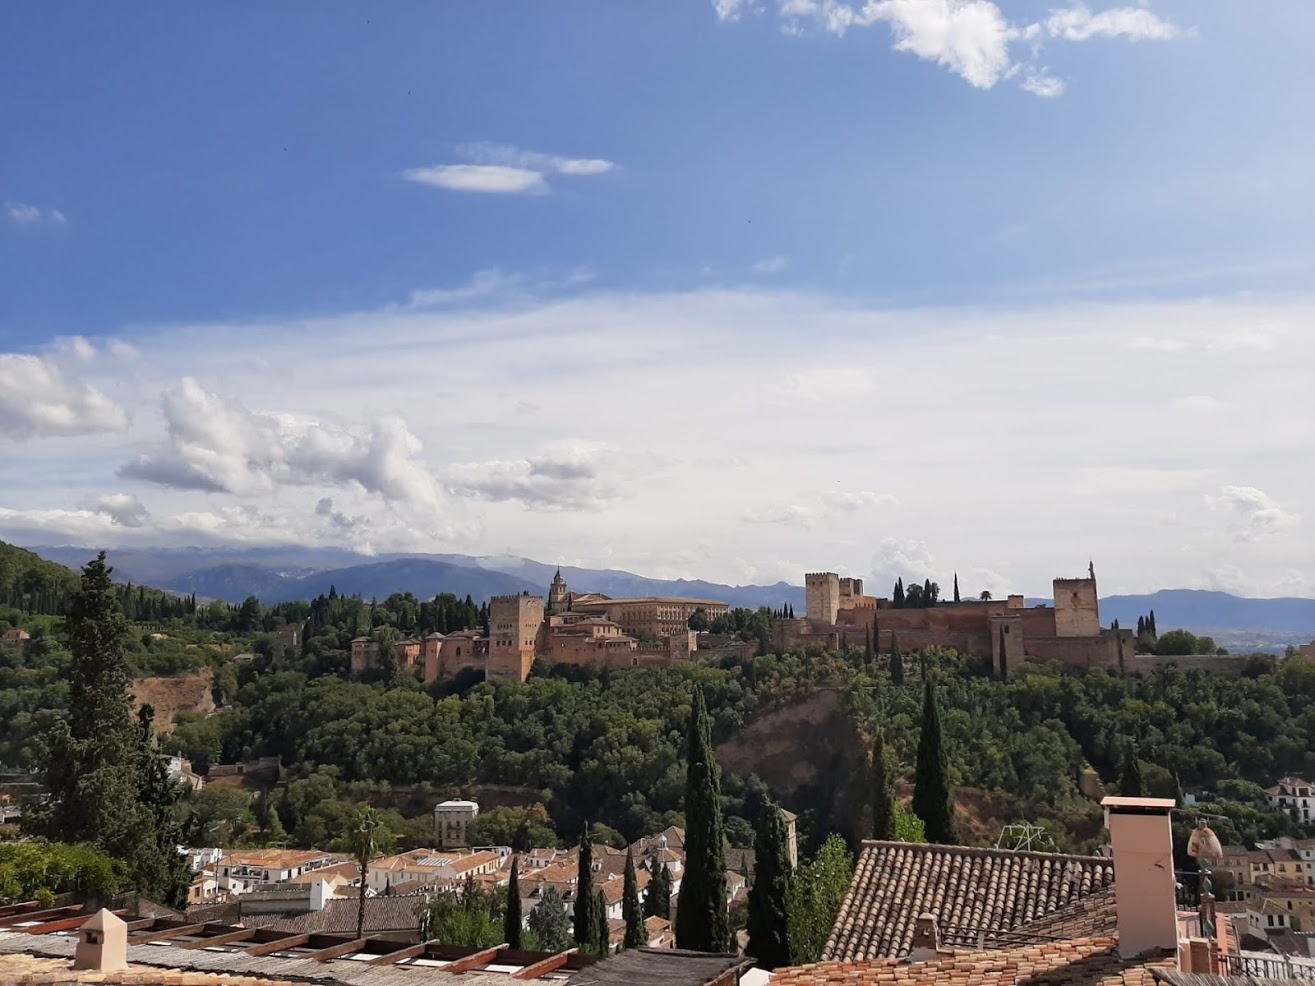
<point x="822" y="597"/>
<point x="1077" y="609"/>
<point x="514" y="623"/>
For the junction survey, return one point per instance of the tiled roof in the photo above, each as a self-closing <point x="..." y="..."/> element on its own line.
<point x="272" y="858"/>
<point x="339" y="916"/>
<point x="1095" y="916"/>
<point x="982" y="889"/>
<point x="31" y="970"/>
<point x="1082" y="962"/>
<point x="657" y="967"/>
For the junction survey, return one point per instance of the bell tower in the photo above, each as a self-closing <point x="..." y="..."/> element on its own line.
<point x="558" y="595"/>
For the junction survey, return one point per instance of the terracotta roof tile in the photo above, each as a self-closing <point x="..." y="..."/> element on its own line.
<point x="980" y="889"/>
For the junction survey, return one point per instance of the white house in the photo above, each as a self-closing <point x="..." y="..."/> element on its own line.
<point x="1293" y="795"/>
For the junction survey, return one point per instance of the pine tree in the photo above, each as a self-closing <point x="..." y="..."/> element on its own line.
<point x="769" y="918"/>
<point x="702" y="920"/>
<point x="931" y="790"/>
<point x="549" y="923"/>
<point x="1131" y="784"/>
<point x="883" y="791"/>
<point x="896" y="662"/>
<point x="657" y="902"/>
<point x="630" y="908"/>
<point x="511" y="916"/>
<point x="585" y="932"/>
<point x="602" y="938"/>
<point x="107" y="786"/>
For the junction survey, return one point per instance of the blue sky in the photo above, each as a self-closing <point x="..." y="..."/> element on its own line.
<point x="467" y="272"/>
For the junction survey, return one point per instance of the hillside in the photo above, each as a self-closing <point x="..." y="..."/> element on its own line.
<point x="1200" y="610"/>
<point x="24" y="574"/>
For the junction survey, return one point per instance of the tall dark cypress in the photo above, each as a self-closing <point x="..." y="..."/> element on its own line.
<point x="657" y="902"/>
<point x="511" y="916"/>
<point x="1131" y="784"/>
<point x="585" y="932"/>
<point x="630" y="909"/>
<point x="867" y="647"/>
<point x="702" y="919"/>
<point x="1004" y="657"/>
<point x="956" y="587"/>
<point x="602" y="938"/>
<point x="931" y="791"/>
<point x="896" y="662"/>
<point x="897" y="597"/>
<point x="883" y="791"/>
<point x="769" y="915"/>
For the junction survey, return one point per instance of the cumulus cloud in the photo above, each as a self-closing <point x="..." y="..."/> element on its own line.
<point x="1256" y="514"/>
<point x="1078" y="23"/>
<point x="971" y="38"/>
<point x="37" y="402"/>
<point x="123" y="509"/>
<point x="901" y="558"/>
<point x="217" y="445"/>
<point x="24" y="214"/>
<point x="502" y="169"/>
<point x="568" y="475"/>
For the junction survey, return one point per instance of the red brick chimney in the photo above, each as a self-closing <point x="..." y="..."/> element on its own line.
<point x="1145" y="890"/>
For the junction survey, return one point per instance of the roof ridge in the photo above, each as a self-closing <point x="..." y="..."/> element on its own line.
<point x="984" y="850"/>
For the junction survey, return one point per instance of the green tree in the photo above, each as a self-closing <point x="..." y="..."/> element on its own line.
<point x="511" y="920"/>
<point x="956" y="587"/>
<point x="585" y="931"/>
<point x="702" y="919"/>
<point x="816" y="895"/>
<point x="365" y="836"/>
<point x="769" y="897"/>
<point x="883" y="791"/>
<point x="602" y="938"/>
<point x="908" y="826"/>
<point x="630" y="907"/>
<point x="657" y="902"/>
<point x="1131" y="784"/>
<point x="549" y="924"/>
<point x="107" y="786"/>
<point x="38" y="870"/>
<point x="896" y="662"/>
<point x="698" y="620"/>
<point x="931" y="789"/>
<point x="471" y="918"/>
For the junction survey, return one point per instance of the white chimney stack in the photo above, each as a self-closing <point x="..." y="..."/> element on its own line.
<point x="1145" y="889"/>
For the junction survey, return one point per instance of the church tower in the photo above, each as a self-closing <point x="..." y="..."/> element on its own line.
<point x="558" y="596"/>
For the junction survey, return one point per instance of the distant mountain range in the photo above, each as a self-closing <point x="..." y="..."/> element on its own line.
<point x="281" y="574"/>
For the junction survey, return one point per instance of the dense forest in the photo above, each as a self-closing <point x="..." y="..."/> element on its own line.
<point x="583" y="745"/>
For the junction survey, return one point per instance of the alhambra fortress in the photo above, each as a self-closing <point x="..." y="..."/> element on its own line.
<point x="590" y="628"/>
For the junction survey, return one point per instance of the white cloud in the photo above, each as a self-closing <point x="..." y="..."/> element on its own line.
<point x="77" y="347"/>
<point x="27" y="215"/>
<point x="971" y="38"/>
<point x="1078" y="23"/>
<point x="901" y="558"/>
<point x="730" y="10"/>
<point x="827" y="508"/>
<point x="123" y="509"/>
<point x="1256" y="514"/>
<point x="481" y="284"/>
<point x="771" y="265"/>
<point x="36" y="401"/>
<point x="567" y="475"/>
<point x="501" y="169"/>
<point x="1043" y="84"/>
<point x="494" y="179"/>
<point x="217" y="445"/>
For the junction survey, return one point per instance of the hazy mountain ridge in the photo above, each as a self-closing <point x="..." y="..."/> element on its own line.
<point x="277" y="574"/>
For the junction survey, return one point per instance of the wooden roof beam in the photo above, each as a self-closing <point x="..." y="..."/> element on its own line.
<point x="398" y="954"/>
<point x="545" y="966"/>
<point x="164" y="934"/>
<point x="268" y="948"/>
<point x="336" y="951"/>
<point x="474" y="959"/>
<point x="228" y="937"/>
<point x="66" y="924"/>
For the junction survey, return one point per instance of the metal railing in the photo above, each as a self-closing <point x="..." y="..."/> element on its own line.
<point x="1268" y="965"/>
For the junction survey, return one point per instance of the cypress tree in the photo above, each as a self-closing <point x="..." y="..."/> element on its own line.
<point x="630" y="909"/>
<point x="956" y="587"/>
<point x="602" y="938"/>
<point x="883" y="792"/>
<point x="702" y="919"/>
<point x="585" y="931"/>
<point x="1004" y="657"/>
<point x="769" y="917"/>
<point x="1131" y="784"/>
<point x="931" y="791"/>
<point x="896" y="662"/>
<point x="1150" y="624"/>
<point x="511" y="917"/>
<point x="1141" y="626"/>
<point x="657" y="902"/>
<point x="898" y="596"/>
<point x="867" y="646"/>
<point x="107" y="785"/>
<point x="928" y="600"/>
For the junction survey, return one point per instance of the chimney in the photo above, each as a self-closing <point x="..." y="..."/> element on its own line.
<point x="102" y="944"/>
<point x="1145" y="890"/>
<point x="926" y="939"/>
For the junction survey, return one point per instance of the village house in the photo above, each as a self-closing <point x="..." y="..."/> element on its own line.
<point x="452" y="820"/>
<point x="1293" y="795"/>
<point x="242" y="870"/>
<point x="431" y="868"/>
<point x="14" y="639"/>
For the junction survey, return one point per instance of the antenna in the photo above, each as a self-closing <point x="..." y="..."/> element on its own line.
<point x="1025" y="837"/>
